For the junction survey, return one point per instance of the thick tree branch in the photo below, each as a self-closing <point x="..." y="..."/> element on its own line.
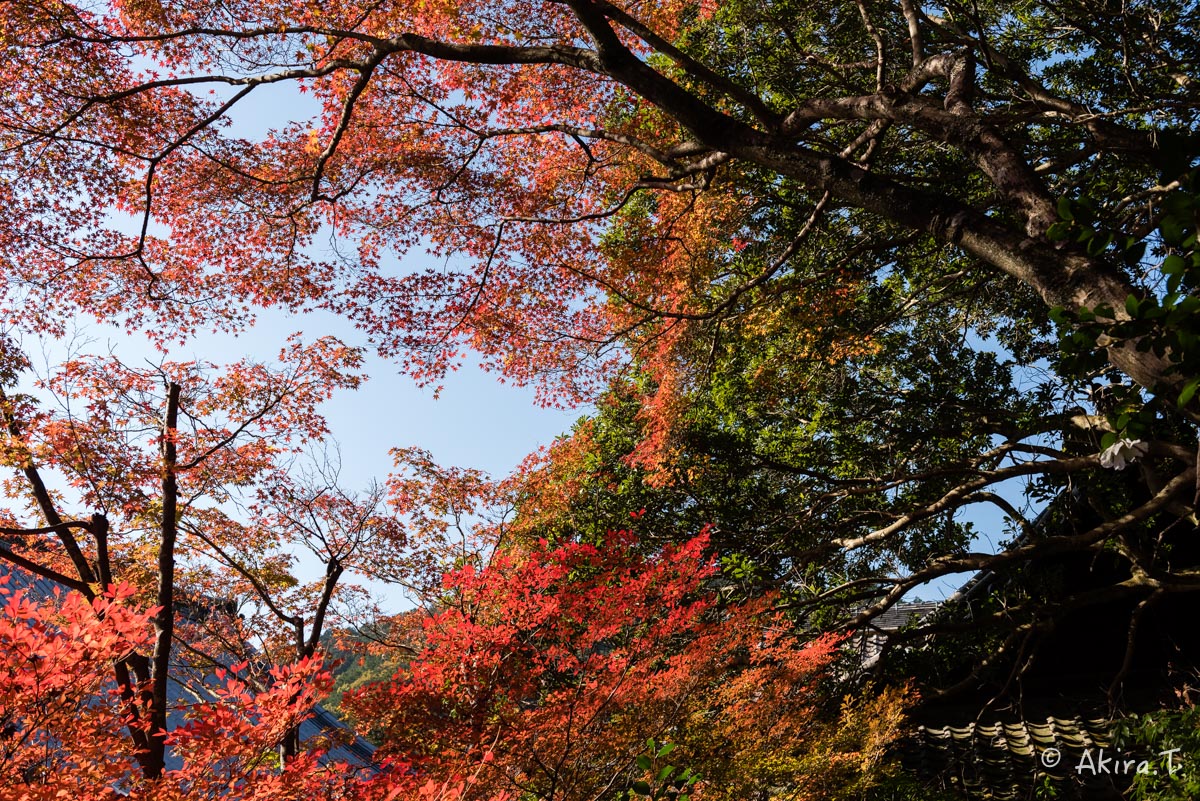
<point x="1039" y="549"/>
<point x="45" y="572"/>
<point x="696" y="69"/>
<point x="957" y="496"/>
<point x="46" y="504"/>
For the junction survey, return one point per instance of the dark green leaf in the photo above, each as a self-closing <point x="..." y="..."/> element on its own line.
<point x="1172" y="231"/>
<point x="1189" y="392"/>
<point x="1134" y="253"/>
<point x="1058" y="231"/>
<point x="1173" y="264"/>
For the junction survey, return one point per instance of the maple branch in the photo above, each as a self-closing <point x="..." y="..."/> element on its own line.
<point x="99" y="529"/>
<point x="90" y="101"/>
<point x="873" y="131"/>
<point x="613" y="59"/>
<point x="46" y="572"/>
<point x="263" y="593"/>
<point x="29" y="532"/>
<point x="497" y="238"/>
<point x="663" y="157"/>
<point x="404" y="42"/>
<point x="46" y="503"/>
<point x="668" y="184"/>
<point x="262" y="412"/>
<point x="128" y="694"/>
<point x="210" y="660"/>
<point x="333" y="572"/>
<point x="735" y="294"/>
<point x="152" y="167"/>
<point x="250" y="82"/>
<point x="491" y="54"/>
<point x="220" y="33"/>
<point x="659" y="90"/>
<point x="343" y="124"/>
<point x="696" y="69"/>
<point x="1066" y="279"/>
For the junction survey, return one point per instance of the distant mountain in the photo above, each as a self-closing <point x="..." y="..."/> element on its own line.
<point x="354" y="668"/>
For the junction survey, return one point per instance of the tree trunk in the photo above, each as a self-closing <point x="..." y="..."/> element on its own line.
<point x="164" y="621"/>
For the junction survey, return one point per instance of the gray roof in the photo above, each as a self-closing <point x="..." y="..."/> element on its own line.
<point x="900" y="615"/>
<point x="1010" y="760"/>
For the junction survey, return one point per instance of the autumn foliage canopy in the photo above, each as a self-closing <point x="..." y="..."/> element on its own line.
<point x="830" y="272"/>
<point x="547" y="673"/>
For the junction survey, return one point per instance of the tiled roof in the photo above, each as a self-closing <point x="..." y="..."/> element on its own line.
<point x="900" y="615"/>
<point x="1009" y="760"/>
<point x="873" y="635"/>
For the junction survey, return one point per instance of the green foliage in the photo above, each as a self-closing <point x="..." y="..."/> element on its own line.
<point x="1169" y="742"/>
<point x="770" y="438"/>
<point x="1165" y="321"/>
<point x="661" y="780"/>
<point x="866" y="388"/>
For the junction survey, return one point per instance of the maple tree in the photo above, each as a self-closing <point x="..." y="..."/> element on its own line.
<point x="54" y="728"/>
<point x="843" y="465"/>
<point x="544" y="671"/>
<point x="520" y="134"/>
<point x="197" y="509"/>
<point x="66" y="724"/>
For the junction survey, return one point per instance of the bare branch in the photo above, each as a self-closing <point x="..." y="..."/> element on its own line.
<point x="913" y="17"/>
<point x="956" y="497"/>
<point x="46" y="572"/>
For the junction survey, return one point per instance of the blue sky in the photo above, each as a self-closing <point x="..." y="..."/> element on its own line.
<point x="476" y="421"/>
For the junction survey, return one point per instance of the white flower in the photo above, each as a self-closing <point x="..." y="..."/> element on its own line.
<point x="1123" y="452"/>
